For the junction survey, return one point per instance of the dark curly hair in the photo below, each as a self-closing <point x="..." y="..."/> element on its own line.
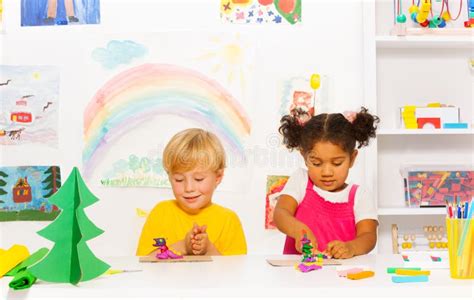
<point x="334" y="128"/>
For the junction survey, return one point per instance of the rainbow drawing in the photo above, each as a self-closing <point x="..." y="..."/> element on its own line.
<point x="147" y="91"/>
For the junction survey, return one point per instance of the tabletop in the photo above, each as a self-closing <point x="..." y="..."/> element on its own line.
<point x="244" y="276"/>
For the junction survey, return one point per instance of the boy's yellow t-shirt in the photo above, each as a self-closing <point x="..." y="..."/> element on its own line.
<point x="169" y="221"/>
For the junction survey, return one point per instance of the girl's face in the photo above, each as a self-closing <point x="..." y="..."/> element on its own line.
<point x="328" y="166"/>
<point x="193" y="189"/>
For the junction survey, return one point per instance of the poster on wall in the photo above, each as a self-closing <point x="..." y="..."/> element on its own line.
<point x="59" y="12"/>
<point x="29" y="105"/>
<point x="155" y="86"/>
<point x="260" y="11"/>
<point x="303" y="96"/>
<point x="24" y="193"/>
<point x="275" y="184"/>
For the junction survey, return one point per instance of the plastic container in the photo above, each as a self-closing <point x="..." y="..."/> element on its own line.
<point x="460" y="266"/>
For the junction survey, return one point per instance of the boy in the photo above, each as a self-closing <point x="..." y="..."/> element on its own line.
<point x="192" y="225"/>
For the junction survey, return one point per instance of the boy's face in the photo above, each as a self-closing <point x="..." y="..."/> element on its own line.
<point x="193" y="189"/>
<point x="328" y="166"/>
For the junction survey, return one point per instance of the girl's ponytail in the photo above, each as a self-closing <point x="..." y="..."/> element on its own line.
<point x="364" y="126"/>
<point x="291" y="130"/>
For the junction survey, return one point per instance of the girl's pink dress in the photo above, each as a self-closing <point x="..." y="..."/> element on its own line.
<point x="328" y="221"/>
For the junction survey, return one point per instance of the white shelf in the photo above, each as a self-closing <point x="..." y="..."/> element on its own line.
<point x="425" y="41"/>
<point x="411" y="211"/>
<point x="402" y="131"/>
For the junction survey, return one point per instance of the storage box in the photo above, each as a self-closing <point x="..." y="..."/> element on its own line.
<point x="431" y="185"/>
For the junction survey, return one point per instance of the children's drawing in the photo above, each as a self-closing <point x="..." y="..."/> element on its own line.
<point x="230" y="58"/>
<point x="260" y="11"/>
<point x="298" y="98"/>
<point x="1" y="15"/>
<point x="59" y="12"/>
<point x="138" y="109"/>
<point x="24" y="192"/>
<point x="275" y="184"/>
<point x="137" y="171"/>
<point x="29" y="105"/>
<point x="118" y="53"/>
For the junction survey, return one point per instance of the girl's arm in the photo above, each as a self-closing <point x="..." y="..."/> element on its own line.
<point x="366" y="238"/>
<point x="284" y="219"/>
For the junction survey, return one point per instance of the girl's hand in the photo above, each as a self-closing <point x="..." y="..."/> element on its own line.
<point x="338" y="249"/>
<point x="309" y="235"/>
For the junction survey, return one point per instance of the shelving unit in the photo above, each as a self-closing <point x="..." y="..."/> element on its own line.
<point x="432" y="41"/>
<point x="408" y="211"/>
<point x="413" y="70"/>
<point x="399" y="131"/>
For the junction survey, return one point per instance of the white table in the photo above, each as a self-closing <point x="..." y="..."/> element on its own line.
<point x="244" y="276"/>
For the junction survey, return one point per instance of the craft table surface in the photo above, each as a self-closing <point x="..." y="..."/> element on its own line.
<point x="244" y="276"/>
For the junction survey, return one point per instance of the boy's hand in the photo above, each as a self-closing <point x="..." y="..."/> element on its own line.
<point x="188" y="242"/>
<point x="338" y="249"/>
<point x="199" y="240"/>
<point x="309" y="235"/>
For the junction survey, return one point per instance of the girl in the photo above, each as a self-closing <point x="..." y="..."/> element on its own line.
<point x="339" y="218"/>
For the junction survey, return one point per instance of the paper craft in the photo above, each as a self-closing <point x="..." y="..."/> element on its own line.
<point x="24" y="193"/>
<point x="31" y="260"/>
<point x="186" y="258"/>
<point x="12" y="257"/>
<point x="22" y="280"/>
<point x="71" y="260"/>
<point x="291" y="262"/>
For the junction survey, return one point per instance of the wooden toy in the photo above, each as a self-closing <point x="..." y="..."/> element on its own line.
<point x="431" y="238"/>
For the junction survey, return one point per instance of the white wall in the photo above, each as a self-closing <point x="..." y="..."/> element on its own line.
<point x="329" y="41"/>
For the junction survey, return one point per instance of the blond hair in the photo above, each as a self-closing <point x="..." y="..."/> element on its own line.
<point x="193" y="148"/>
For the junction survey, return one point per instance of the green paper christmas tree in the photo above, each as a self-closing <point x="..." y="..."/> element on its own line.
<point x="71" y="260"/>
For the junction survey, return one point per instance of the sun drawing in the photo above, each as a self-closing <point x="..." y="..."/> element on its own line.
<point x="229" y="57"/>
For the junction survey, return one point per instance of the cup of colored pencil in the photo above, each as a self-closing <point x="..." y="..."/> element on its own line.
<point x="460" y="232"/>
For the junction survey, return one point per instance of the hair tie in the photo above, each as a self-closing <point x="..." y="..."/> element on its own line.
<point x="350" y="116"/>
<point x="301" y="115"/>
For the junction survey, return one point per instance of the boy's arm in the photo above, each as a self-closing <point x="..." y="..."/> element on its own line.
<point x="211" y="249"/>
<point x="285" y="221"/>
<point x="179" y="246"/>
